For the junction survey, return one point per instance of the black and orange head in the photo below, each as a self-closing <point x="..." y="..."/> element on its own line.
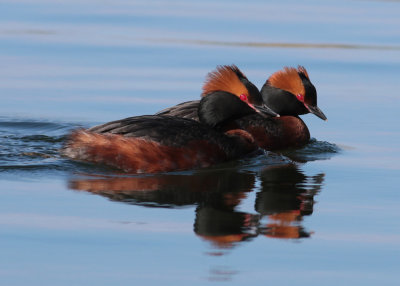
<point x="290" y="92"/>
<point x="231" y="80"/>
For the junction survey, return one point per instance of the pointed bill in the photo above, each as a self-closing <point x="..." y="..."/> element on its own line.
<point x="265" y="110"/>
<point x="316" y="111"/>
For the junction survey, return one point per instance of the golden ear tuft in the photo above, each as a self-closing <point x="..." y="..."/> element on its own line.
<point x="225" y="78"/>
<point x="288" y="79"/>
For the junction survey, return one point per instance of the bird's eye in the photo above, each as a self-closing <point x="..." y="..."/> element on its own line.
<point x="300" y="97"/>
<point x="243" y="97"/>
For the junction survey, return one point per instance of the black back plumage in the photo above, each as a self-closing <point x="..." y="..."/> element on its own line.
<point x="166" y="130"/>
<point x="186" y="109"/>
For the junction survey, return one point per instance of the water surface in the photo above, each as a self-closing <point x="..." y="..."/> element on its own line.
<point x="324" y="213"/>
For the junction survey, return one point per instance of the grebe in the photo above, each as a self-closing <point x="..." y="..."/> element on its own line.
<point x="157" y="143"/>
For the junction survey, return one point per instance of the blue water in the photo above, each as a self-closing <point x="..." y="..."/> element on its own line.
<point x="321" y="215"/>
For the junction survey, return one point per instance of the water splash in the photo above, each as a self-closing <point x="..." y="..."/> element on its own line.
<point x="32" y="145"/>
<point x="313" y="151"/>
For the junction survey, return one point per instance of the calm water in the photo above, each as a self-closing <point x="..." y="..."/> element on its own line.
<point x="321" y="215"/>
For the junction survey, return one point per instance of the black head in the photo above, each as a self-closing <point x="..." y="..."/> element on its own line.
<point x="290" y="92"/>
<point x="218" y="107"/>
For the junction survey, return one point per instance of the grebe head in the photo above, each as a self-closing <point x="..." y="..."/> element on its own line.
<point x="290" y="92"/>
<point x="218" y="107"/>
<point x="230" y="79"/>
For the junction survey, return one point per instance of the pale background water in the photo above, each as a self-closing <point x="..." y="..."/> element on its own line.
<point x="66" y="64"/>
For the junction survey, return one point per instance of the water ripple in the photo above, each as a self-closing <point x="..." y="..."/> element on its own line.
<point x="279" y="44"/>
<point x="32" y="145"/>
<point x="313" y="151"/>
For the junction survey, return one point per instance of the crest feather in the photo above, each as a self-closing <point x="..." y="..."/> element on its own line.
<point x="225" y="78"/>
<point x="288" y="79"/>
<point x="303" y="70"/>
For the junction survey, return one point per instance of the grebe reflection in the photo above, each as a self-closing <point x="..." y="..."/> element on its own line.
<point x="284" y="196"/>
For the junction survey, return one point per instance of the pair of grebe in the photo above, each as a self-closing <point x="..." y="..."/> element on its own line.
<point x="232" y="119"/>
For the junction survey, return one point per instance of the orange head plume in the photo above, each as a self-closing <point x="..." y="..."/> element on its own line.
<point x="289" y="79"/>
<point x="230" y="79"/>
<point x="225" y="78"/>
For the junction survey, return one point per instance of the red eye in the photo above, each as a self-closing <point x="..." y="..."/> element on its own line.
<point x="243" y="97"/>
<point x="300" y="97"/>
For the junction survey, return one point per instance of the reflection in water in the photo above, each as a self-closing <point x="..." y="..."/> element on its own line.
<point x="224" y="228"/>
<point x="204" y="187"/>
<point x="285" y="195"/>
<point x="221" y="273"/>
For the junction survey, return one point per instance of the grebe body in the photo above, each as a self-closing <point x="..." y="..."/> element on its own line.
<point x="155" y="143"/>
